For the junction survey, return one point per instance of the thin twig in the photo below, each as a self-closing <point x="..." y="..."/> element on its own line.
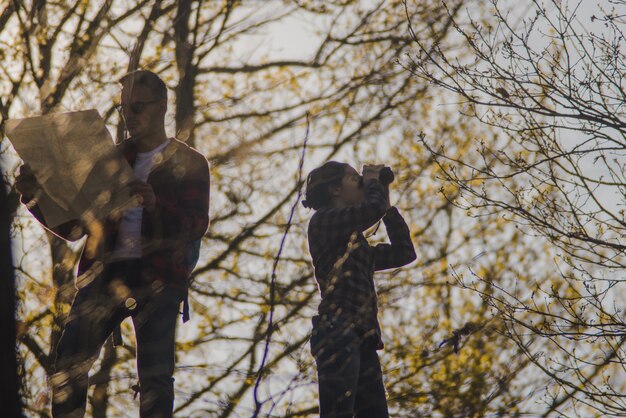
<point x="270" y="325"/>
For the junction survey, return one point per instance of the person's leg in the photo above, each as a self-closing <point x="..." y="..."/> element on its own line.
<point x="91" y="320"/>
<point x="337" y="355"/>
<point x="371" y="401"/>
<point x="155" y="329"/>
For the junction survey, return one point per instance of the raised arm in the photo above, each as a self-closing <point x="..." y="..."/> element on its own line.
<point x="340" y="223"/>
<point x="27" y="185"/>
<point x="400" y="251"/>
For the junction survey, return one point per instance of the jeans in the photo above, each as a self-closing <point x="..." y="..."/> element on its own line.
<point x="349" y="373"/>
<point x="97" y="309"/>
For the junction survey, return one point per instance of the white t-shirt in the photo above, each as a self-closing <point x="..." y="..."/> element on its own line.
<point x="128" y="245"/>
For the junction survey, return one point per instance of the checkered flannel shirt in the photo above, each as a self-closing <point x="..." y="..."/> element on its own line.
<point x="345" y="263"/>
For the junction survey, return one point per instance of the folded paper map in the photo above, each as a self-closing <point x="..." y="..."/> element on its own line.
<point x="73" y="157"/>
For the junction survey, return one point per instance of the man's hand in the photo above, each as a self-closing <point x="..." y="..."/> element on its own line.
<point x="26" y="183"/>
<point x="371" y="171"/>
<point x="144" y="193"/>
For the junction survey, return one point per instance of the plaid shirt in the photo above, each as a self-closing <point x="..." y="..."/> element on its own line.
<point x="345" y="263"/>
<point x="180" y="181"/>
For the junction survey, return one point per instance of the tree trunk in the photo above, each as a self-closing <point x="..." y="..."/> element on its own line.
<point x="187" y="75"/>
<point x="9" y="395"/>
<point x="100" y="398"/>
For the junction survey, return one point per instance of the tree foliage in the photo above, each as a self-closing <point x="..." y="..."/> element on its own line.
<point x="551" y="81"/>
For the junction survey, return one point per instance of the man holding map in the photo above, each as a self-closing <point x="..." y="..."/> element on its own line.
<point x="136" y="261"/>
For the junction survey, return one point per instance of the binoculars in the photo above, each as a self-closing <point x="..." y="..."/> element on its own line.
<point x="386" y="176"/>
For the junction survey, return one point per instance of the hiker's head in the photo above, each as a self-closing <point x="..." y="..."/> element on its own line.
<point x="144" y="103"/>
<point x="334" y="184"/>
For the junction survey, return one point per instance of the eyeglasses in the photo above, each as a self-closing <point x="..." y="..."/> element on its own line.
<point x="136" y="107"/>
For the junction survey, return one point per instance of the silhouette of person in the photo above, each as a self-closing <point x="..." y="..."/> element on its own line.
<point x="346" y="334"/>
<point x="136" y="263"/>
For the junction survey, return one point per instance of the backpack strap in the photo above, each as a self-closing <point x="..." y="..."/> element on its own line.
<point x="193" y="253"/>
<point x="186" y="307"/>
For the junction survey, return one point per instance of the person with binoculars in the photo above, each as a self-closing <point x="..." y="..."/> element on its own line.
<point x="346" y="333"/>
